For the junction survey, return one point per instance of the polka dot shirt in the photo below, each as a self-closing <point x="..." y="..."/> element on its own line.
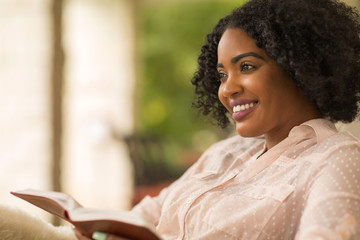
<point x="305" y="187"/>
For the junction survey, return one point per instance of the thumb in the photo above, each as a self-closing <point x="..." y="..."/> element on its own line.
<point x="105" y="236"/>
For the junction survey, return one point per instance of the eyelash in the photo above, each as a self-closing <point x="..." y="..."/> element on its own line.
<point x="244" y="67"/>
<point x="222" y="76"/>
<point x="249" y="66"/>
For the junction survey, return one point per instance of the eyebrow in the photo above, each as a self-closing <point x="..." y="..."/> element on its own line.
<point x="240" y="56"/>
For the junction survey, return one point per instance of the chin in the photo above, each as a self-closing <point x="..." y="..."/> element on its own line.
<point x="246" y="132"/>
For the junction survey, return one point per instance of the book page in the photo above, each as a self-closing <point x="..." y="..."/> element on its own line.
<point x="88" y="220"/>
<point x="56" y="203"/>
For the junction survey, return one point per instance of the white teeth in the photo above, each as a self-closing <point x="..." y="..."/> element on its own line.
<point x="243" y="107"/>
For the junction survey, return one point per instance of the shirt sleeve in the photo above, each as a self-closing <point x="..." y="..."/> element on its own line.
<point x="332" y="207"/>
<point x="150" y="207"/>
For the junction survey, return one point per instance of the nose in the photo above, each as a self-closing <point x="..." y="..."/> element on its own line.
<point x="231" y="86"/>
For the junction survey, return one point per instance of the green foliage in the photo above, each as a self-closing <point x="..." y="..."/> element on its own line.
<point x="170" y="38"/>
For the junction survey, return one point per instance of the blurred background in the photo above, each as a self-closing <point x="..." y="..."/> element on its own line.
<point x="95" y="96"/>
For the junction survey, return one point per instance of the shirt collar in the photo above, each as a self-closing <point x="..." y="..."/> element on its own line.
<point x="316" y="130"/>
<point x="319" y="128"/>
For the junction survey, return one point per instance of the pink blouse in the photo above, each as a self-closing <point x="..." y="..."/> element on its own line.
<point x="305" y="187"/>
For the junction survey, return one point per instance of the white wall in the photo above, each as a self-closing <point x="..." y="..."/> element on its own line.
<point x="24" y="78"/>
<point x="99" y="99"/>
<point x="99" y="82"/>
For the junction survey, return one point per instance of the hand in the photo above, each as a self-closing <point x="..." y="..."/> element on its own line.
<point x="79" y="235"/>
<point x="97" y="236"/>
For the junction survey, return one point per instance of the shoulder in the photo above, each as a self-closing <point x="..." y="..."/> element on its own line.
<point x="343" y="146"/>
<point x="339" y="141"/>
<point x="338" y="150"/>
<point x="327" y="138"/>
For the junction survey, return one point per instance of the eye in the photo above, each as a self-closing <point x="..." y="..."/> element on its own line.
<point x="222" y="76"/>
<point x="246" y="67"/>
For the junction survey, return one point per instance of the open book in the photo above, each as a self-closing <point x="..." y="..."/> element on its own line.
<point x="122" y="223"/>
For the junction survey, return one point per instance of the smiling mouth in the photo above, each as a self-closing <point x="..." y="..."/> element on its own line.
<point x="244" y="107"/>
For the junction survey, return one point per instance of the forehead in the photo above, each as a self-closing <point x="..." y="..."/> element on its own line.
<point x="235" y="41"/>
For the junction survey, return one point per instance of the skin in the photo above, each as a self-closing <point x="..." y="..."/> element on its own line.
<point x="246" y="72"/>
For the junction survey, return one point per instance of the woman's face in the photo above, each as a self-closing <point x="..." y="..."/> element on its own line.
<point x="262" y="99"/>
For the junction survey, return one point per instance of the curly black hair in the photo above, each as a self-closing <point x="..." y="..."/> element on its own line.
<point x="316" y="42"/>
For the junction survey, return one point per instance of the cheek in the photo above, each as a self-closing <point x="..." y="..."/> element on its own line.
<point x="273" y="88"/>
<point x="220" y="95"/>
<point x="223" y="100"/>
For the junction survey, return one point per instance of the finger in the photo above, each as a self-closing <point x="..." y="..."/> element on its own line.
<point x="104" y="236"/>
<point x="99" y="236"/>
<point x="79" y="235"/>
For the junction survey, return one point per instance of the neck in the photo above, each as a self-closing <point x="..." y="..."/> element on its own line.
<point x="277" y="135"/>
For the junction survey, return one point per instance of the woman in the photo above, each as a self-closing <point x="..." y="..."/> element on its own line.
<point x="285" y="70"/>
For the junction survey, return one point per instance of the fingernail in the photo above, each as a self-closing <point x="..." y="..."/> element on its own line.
<point x="99" y="236"/>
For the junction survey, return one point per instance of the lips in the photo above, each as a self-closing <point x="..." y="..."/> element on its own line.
<point x="242" y="107"/>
